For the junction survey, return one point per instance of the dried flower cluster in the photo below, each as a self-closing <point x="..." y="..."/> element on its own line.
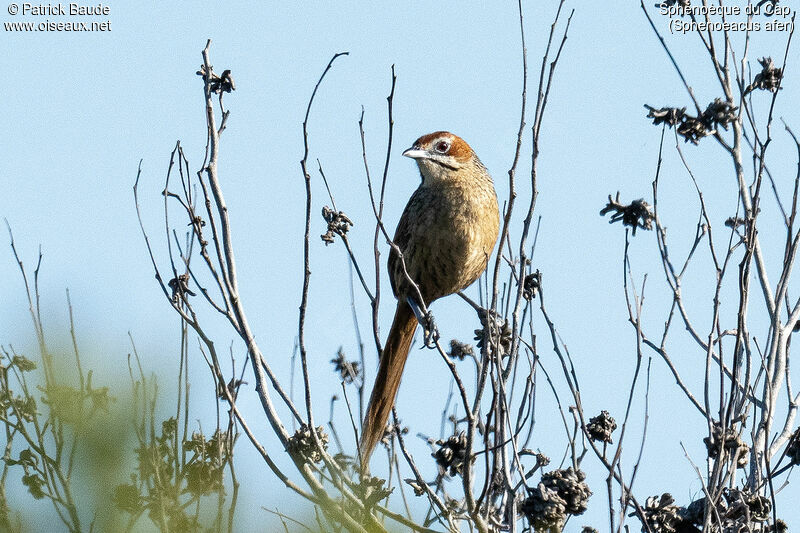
<point x="734" y="222"/>
<point x="662" y="515"/>
<point x="452" y="453"/>
<point x="692" y="129"/>
<point x="793" y="448"/>
<point x="769" y="79"/>
<point x="738" y="511"/>
<point x="460" y="350"/>
<point x="679" y="3"/>
<point x="338" y="224"/>
<point x="560" y="493"/>
<point x="180" y="288"/>
<point x="531" y="284"/>
<point x="370" y="490"/>
<point x="499" y="335"/>
<point x="349" y="371"/>
<point x="744" y="511"/>
<point x="730" y="441"/>
<point x="741" y="503"/>
<point x="671" y="116"/>
<point x="218" y="84"/>
<point x="637" y="214"/>
<point x="542" y="460"/>
<point x="389" y="431"/>
<point x="718" y="113"/>
<point x="302" y="445"/>
<point x="601" y="427"/>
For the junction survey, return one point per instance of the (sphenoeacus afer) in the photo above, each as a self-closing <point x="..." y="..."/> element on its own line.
<point x="446" y="234"/>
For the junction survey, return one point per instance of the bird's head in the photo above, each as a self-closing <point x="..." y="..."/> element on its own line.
<point x="441" y="156"/>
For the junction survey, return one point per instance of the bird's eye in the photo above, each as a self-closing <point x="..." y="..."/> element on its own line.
<point x="442" y="147"/>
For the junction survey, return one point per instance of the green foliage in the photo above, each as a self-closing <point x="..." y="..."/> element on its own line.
<point x="205" y="469"/>
<point x="43" y="423"/>
<point x="166" y="482"/>
<point x="69" y="404"/>
<point x="70" y="443"/>
<point x="178" y="477"/>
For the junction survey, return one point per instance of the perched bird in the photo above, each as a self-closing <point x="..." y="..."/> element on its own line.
<point x="446" y="235"/>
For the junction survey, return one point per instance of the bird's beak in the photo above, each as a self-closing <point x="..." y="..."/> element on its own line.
<point x="415" y="153"/>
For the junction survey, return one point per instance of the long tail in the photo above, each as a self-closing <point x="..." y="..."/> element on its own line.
<point x="393" y="360"/>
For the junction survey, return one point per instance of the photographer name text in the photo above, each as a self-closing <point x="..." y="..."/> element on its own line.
<point x="71" y="9"/>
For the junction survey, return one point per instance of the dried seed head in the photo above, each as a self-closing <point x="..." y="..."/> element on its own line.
<point x="302" y="445"/>
<point x="531" y="284"/>
<point x="743" y="504"/>
<point x="180" y="288"/>
<point x="719" y="113"/>
<point x="452" y="453"/>
<point x="460" y="350"/>
<point x="560" y="492"/>
<point x="389" y="431"/>
<point x="601" y="426"/>
<point x="349" y="371"/>
<point x="371" y="491"/>
<point x="793" y="448"/>
<point x="544" y="508"/>
<point x="769" y="79"/>
<point x="217" y="84"/>
<point x="338" y="224"/>
<point x="739" y="510"/>
<point x="679" y="3"/>
<point x="734" y="222"/>
<point x="661" y="515"/>
<point x="499" y="335"/>
<point x="693" y="129"/>
<point x="637" y="214"/>
<point x="671" y="116"/>
<point x="730" y="441"/>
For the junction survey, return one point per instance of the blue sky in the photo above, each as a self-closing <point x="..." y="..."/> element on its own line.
<point x="82" y="109"/>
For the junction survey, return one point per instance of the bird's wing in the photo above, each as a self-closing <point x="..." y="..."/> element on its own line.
<point x="402" y="236"/>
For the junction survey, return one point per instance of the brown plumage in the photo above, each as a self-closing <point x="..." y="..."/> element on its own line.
<point x="446" y="235"/>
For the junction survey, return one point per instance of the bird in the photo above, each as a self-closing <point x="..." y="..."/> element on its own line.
<point x="445" y="237"/>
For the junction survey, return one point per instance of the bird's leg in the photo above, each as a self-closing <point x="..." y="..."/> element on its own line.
<point x="431" y="331"/>
<point x="425" y="318"/>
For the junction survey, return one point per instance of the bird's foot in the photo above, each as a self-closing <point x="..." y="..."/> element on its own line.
<point x="431" y="332"/>
<point x="425" y="318"/>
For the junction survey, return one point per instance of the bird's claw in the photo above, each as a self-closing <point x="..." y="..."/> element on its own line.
<point x="425" y="318"/>
<point x="431" y="336"/>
